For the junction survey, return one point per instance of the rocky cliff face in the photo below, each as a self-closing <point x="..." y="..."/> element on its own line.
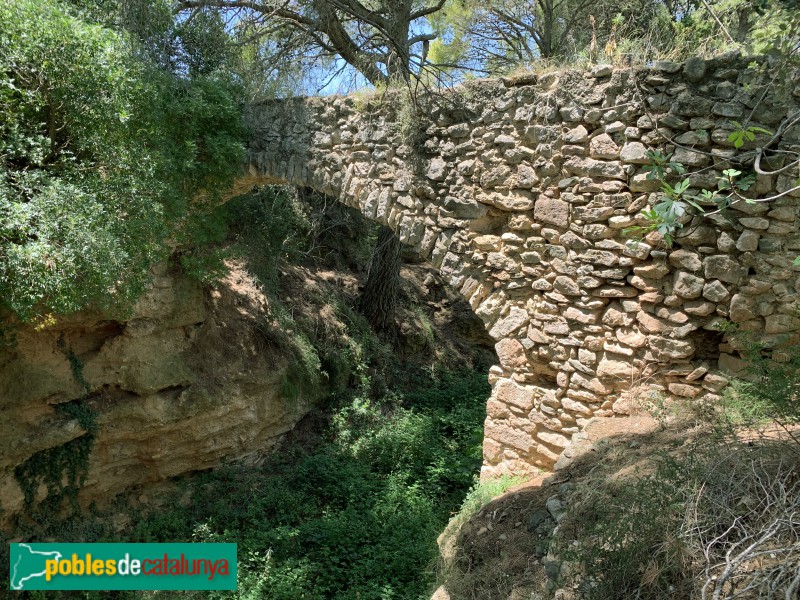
<point x="188" y="381"/>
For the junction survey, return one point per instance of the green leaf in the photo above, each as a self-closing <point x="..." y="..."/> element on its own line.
<point x="694" y="204"/>
<point x="707" y="195"/>
<point x="745" y="183"/>
<point x="737" y="137"/>
<point x="681" y="187"/>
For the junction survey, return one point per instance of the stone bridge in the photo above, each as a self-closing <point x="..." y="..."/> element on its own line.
<point x="520" y="192"/>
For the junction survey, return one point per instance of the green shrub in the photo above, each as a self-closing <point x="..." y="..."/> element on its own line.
<point x="355" y="517"/>
<point x="268" y="227"/>
<point x="770" y="387"/>
<point x="102" y="157"/>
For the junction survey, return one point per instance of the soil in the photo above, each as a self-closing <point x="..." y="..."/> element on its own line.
<point x="501" y="547"/>
<point x="504" y="550"/>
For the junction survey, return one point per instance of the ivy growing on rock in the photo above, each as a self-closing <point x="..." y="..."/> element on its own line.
<point x="61" y="469"/>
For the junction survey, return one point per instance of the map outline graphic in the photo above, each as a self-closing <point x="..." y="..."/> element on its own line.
<point x="19" y="584"/>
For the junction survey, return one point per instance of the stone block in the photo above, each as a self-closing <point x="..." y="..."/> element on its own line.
<point x="732" y="365"/>
<point x="590" y="167"/>
<point x="599" y="257"/>
<point x="437" y="170"/>
<point x="747" y="241"/>
<point x="551" y="211"/>
<point x="722" y="267"/>
<point x="757" y="223"/>
<point x="731" y="110"/>
<point x="575" y="406"/>
<point x="586" y="317"/>
<point x="667" y="349"/>
<point x="516" y="318"/>
<point x="491" y="243"/>
<point x="578" y="135"/>
<point x="691" y="158"/>
<point x="613" y="368"/>
<point x="694" y="69"/>
<point x="603" y="146"/>
<point x="687" y="285"/>
<point x="631" y="337"/>
<point x="686" y="260"/>
<point x="553" y="439"/>
<point x="613" y="317"/>
<point x="513" y="394"/>
<point x="634" y="153"/>
<point x="512" y="200"/>
<point x="637" y="249"/>
<point x="655" y="270"/>
<point x="781" y="324"/>
<point x="511" y="353"/>
<point x="696" y="236"/>
<point x="506" y="435"/>
<point x="683" y="390"/>
<point x="742" y="308"/>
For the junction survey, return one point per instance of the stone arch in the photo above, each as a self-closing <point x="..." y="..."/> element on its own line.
<point x="520" y="198"/>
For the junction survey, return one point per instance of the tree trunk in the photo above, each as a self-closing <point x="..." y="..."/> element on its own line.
<point x="380" y="292"/>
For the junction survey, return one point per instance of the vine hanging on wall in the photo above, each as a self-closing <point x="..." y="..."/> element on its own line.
<point x="61" y="469"/>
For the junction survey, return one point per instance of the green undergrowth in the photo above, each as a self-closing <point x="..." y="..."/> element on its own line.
<point x="275" y="229"/>
<point x="350" y="511"/>
<point x="769" y="388"/>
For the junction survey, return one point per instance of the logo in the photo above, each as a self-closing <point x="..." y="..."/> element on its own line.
<point x="122" y="567"/>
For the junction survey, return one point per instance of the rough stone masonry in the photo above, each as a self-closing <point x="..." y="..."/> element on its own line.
<point x="521" y="191"/>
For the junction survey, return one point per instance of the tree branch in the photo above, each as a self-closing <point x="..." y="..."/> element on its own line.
<point x="427" y="11"/>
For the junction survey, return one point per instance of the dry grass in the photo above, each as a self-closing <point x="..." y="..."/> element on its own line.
<point x="653" y="513"/>
<point x="744" y="527"/>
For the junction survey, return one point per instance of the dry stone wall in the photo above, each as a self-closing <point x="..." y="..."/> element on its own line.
<point x="521" y="191"/>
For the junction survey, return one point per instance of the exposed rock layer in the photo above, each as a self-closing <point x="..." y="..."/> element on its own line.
<point x="185" y="383"/>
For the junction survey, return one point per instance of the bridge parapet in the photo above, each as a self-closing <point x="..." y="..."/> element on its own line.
<point x="520" y="193"/>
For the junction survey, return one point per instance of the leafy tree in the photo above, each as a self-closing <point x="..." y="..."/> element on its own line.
<point x="513" y="31"/>
<point x="103" y="156"/>
<point x="505" y="34"/>
<point x="375" y="38"/>
<point x="755" y="27"/>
